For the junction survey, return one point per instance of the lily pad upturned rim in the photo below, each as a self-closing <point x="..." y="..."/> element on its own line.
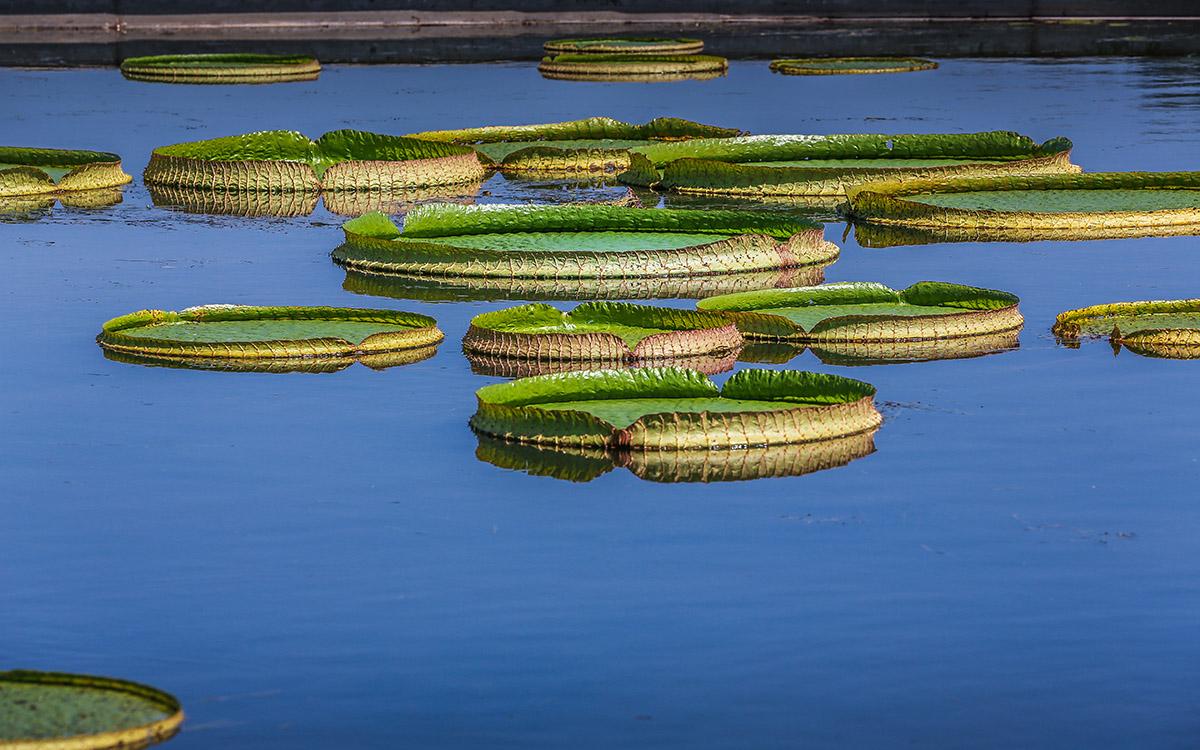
<point x="1168" y="342"/>
<point x="289" y="161"/>
<point x="610" y="67"/>
<point x="422" y="332"/>
<point x="87" y="170"/>
<point x="983" y="312"/>
<point x="136" y="736"/>
<point x="806" y="66"/>
<point x="543" y="156"/>
<point x="825" y="406"/>
<point x="730" y="165"/>
<point x="886" y="202"/>
<point x="744" y="241"/>
<point x="680" y="333"/>
<point x="621" y="46"/>
<point x="220" y="67"/>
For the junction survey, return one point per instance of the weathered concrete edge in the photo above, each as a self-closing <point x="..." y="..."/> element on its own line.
<point x="311" y="22"/>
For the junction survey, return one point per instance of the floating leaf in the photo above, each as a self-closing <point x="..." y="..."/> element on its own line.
<point x="281" y="161"/>
<point x="580" y="242"/>
<point x="625" y="67"/>
<point x="822" y="66"/>
<point x="274" y="339"/>
<point x="54" y="711"/>
<point x="624" y="46"/>
<point x="670" y="408"/>
<point x="53" y="171"/>
<point x="221" y="68"/>
<point x="1065" y="206"/>
<point x="1160" y="328"/>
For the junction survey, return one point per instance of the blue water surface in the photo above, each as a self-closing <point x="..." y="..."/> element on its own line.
<point x="316" y="561"/>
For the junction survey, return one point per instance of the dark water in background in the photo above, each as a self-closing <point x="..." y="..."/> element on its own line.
<point x="321" y="561"/>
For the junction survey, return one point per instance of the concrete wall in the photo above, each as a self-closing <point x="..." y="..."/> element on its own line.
<point x="819" y="8"/>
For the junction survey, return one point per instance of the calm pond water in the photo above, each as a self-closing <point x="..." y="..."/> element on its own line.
<point x="314" y="561"/>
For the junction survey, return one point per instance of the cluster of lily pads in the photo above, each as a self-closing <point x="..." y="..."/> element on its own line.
<point x="609" y="383"/>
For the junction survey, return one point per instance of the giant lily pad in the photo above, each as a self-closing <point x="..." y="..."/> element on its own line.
<point x="53" y="171"/>
<point x="275" y="339"/>
<point x="538" y="338"/>
<point x="625" y="46"/>
<point x="620" y="67"/>
<point x="1085" y="206"/>
<point x="280" y="161"/>
<point x="823" y="66"/>
<point x="595" y="144"/>
<point x="674" y="466"/>
<point x="579" y="242"/>
<point x="827" y="165"/>
<point x="670" y="408"/>
<point x="1161" y="328"/>
<point x="867" y="312"/>
<point x="221" y="68"/>
<point x="57" y="711"/>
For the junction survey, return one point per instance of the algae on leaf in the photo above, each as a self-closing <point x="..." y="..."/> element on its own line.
<point x="221" y="68"/>
<point x="53" y="711"/>
<point x="1161" y="328"/>
<point x="670" y="408"/>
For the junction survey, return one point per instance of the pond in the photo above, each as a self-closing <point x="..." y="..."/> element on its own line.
<point x="320" y="560"/>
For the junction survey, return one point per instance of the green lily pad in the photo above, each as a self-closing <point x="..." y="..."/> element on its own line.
<point x="344" y="202"/>
<point x="280" y="161"/>
<point x="221" y="68"/>
<point x="1083" y="206"/>
<point x="52" y="711"/>
<point x="655" y="408"/>
<point x="867" y="312"/>
<point x="237" y="337"/>
<point x="624" y="46"/>
<point x="821" y="66"/>
<point x="677" y="466"/>
<point x="539" y="337"/>
<point x="53" y="171"/>
<point x="632" y="68"/>
<point x="595" y="144"/>
<point x="1160" y="328"/>
<point x="828" y="165"/>
<point x="580" y="242"/>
